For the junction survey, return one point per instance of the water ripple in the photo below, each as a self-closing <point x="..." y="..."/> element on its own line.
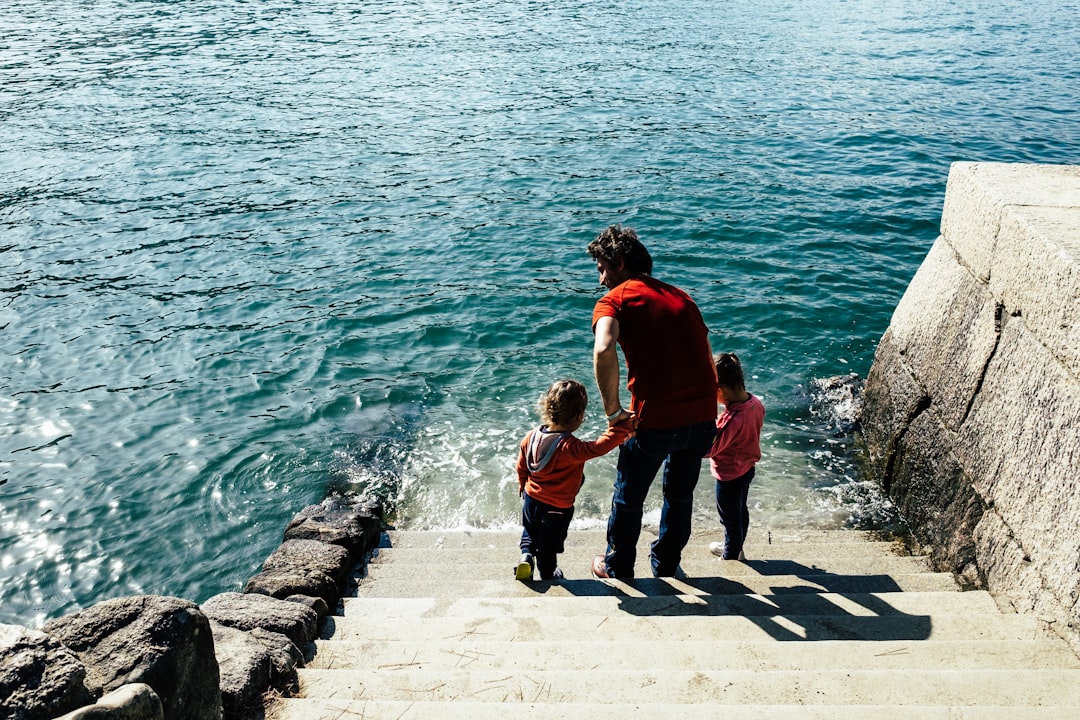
<point x="251" y="251"/>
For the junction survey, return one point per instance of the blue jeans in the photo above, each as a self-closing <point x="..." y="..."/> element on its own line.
<point x="734" y="515"/>
<point x="543" y="533"/>
<point x="680" y="451"/>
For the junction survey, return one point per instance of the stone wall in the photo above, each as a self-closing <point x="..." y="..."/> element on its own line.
<point x="971" y="411"/>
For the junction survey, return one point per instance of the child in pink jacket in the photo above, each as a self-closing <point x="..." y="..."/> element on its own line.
<point x="734" y="453"/>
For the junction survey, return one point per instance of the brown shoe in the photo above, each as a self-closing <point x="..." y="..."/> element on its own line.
<point x="600" y="569"/>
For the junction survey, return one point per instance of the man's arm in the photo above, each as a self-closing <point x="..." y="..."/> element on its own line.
<point x="606" y="366"/>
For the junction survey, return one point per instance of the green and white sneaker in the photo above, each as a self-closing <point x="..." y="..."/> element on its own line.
<point x="524" y="569"/>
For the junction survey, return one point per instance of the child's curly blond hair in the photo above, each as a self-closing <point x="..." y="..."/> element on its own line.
<point x="563" y="402"/>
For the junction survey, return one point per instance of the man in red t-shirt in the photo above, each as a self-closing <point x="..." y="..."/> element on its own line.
<point x="672" y="383"/>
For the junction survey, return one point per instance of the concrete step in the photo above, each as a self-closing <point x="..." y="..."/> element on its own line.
<point x="689" y="626"/>
<point x="1013" y="687"/>
<point x="488" y="539"/>
<point x="868" y="605"/>
<point x="338" y="709"/>
<point x="632" y="654"/>
<point x="425" y="584"/>
<point x="819" y="624"/>
<point x="577" y="549"/>
<point x="467" y="565"/>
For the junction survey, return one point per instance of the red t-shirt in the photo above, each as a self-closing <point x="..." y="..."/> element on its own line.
<point x="664" y="339"/>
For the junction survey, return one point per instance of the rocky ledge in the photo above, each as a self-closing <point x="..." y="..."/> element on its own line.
<point x="151" y="657"/>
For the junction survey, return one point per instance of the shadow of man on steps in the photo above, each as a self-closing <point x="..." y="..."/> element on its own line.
<point x="803" y="604"/>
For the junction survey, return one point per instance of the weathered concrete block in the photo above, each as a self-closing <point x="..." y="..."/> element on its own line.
<point x="932" y="491"/>
<point x="1021" y="444"/>
<point x="977" y="193"/>
<point x="252" y="663"/>
<point x="1009" y="570"/>
<point x="891" y="398"/>
<point x="39" y="677"/>
<point x="247" y="611"/>
<point x="1037" y="249"/>
<point x="944" y="327"/>
<point x="161" y="641"/>
<point x="136" y="701"/>
<point x="991" y="334"/>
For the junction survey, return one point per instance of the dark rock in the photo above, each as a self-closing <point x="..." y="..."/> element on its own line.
<point x="283" y="583"/>
<point x="253" y="662"/>
<point x="316" y="604"/>
<point x="248" y="611"/>
<point x="310" y="556"/>
<point x="348" y="522"/>
<point x="161" y="641"/>
<point x="39" y="677"/>
<point x="136" y="701"/>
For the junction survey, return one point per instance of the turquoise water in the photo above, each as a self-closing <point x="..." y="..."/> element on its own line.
<point x="251" y="251"/>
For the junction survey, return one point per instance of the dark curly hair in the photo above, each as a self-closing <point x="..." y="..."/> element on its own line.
<point x="563" y="402"/>
<point x="617" y="242"/>
<point x="729" y="371"/>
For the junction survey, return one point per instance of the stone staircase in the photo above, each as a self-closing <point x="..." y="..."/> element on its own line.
<point x="816" y="624"/>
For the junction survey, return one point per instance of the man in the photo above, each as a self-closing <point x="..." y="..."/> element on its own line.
<point x="672" y="383"/>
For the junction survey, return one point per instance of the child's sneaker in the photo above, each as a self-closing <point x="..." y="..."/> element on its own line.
<point x="524" y="570"/>
<point x="718" y="549"/>
<point x="556" y="576"/>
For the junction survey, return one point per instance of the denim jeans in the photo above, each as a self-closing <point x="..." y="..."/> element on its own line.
<point x="734" y="515"/>
<point x="679" y="450"/>
<point x="543" y="532"/>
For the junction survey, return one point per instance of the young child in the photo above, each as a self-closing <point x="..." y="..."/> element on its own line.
<point x="734" y="452"/>
<point x="551" y="470"/>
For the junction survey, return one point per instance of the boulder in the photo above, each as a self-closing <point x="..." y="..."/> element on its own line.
<point x="163" y="642"/>
<point x="298" y="623"/>
<point x="352" y="523"/>
<point x="284" y="583"/>
<point x="39" y="677"/>
<point x="310" y="556"/>
<point x="253" y="662"/>
<point x="136" y="701"/>
<point x="316" y="604"/>
<point x="304" y="567"/>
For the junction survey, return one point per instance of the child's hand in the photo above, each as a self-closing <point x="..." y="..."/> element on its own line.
<point x="630" y="423"/>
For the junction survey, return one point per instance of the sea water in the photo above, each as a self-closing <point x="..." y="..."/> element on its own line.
<point x="253" y="252"/>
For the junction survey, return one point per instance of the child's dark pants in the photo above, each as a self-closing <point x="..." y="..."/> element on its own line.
<point x="543" y="533"/>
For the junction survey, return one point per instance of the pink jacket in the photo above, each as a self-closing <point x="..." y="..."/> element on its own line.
<point x="737" y="446"/>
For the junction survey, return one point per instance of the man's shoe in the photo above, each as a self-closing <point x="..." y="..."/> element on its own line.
<point x="524" y="570"/>
<point x="600" y="569"/>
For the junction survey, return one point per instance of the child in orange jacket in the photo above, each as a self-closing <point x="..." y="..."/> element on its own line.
<point x="551" y="471"/>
